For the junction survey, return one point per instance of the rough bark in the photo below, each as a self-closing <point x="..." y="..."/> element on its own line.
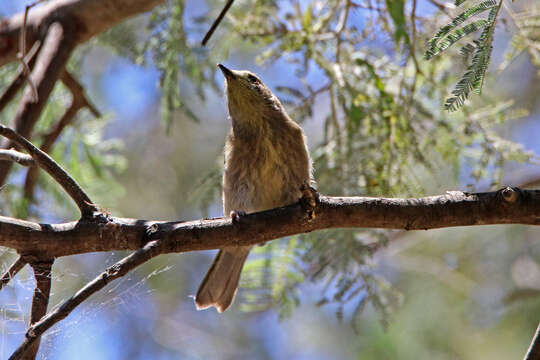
<point x="91" y="17"/>
<point x="507" y="206"/>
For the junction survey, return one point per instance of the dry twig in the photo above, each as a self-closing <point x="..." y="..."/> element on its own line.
<point x="12" y="271"/>
<point x="217" y="22"/>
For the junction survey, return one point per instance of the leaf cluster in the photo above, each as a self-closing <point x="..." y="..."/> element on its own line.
<point x="464" y="24"/>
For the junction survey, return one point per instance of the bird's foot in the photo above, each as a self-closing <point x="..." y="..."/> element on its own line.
<point x="236" y="215"/>
<point x="309" y="199"/>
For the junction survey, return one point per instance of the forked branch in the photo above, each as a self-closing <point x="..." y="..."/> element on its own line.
<point x="12" y="271"/>
<point x="50" y="166"/>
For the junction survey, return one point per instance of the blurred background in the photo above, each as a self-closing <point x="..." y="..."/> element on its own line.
<point x="354" y="74"/>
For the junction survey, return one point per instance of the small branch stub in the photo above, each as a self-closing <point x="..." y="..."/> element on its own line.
<point x="509" y="194"/>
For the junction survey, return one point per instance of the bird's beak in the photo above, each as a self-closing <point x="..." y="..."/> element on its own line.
<point x="228" y="73"/>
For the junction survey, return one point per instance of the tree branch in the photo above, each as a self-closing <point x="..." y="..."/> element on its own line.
<point x="16" y="156"/>
<point x="57" y="173"/>
<point x="506" y="206"/>
<point x="40" y="301"/>
<point x="12" y="271"/>
<point x="49" y="65"/>
<point x="533" y="353"/>
<point x="91" y="16"/>
<point x="78" y="101"/>
<point x="509" y="205"/>
<point x="78" y="95"/>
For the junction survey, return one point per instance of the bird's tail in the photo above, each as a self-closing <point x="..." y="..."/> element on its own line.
<point x="221" y="282"/>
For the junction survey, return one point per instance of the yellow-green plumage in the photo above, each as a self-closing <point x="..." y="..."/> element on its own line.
<point x="266" y="163"/>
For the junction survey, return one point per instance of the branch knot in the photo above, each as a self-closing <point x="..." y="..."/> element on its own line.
<point x="510" y="194"/>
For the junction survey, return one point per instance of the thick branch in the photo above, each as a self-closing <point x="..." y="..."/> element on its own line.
<point x="507" y="206"/>
<point x="40" y="301"/>
<point x="50" y="166"/>
<point x="533" y="353"/>
<point x="91" y="17"/>
<point x="12" y="271"/>
<point x="48" y="68"/>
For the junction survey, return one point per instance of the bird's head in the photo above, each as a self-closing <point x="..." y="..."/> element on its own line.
<point x="249" y="100"/>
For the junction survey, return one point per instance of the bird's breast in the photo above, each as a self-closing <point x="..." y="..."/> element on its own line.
<point x="263" y="173"/>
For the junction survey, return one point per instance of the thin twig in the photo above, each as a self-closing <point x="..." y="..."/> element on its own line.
<point x="413" y="43"/>
<point x="339" y="30"/>
<point x="17" y="156"/>
<point x="533" y="353"/>
<point x="50" y="166"/>
<point x="113" y="272"/>
<point x="12" y="271"/>
<point x="78" y="101"/>
<point x="40" y="300"/>
<point x="216" y="22"/>
<point x="16" y="84"/>
<point x="78" y="93"/>
<point x="46" y="146"/>
<point x="442" y="7"/>
<point x="22" y="52"/>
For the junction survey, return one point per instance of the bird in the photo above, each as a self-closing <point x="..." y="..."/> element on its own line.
<point x="266" y="164"/>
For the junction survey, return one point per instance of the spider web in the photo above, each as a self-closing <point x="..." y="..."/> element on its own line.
<point x="123" y="297"/>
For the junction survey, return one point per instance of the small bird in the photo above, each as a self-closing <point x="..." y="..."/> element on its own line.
<point x="266" y="164"/>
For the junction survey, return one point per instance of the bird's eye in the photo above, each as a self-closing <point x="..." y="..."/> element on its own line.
<point x="253" y="79"/>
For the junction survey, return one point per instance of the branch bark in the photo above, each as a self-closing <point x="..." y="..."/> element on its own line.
<point x="506" y="206"/>
<point x="91" y="17"/>
<point x="533" y="353"/>
<point x="17" y="156"/>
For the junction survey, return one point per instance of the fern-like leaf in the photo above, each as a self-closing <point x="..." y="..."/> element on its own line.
<point x="455" y="36"/>
<point x="458" y="20"/>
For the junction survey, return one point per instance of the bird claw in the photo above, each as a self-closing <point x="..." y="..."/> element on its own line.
<point x="236" y="215"/>
<point x="309" y="199"/>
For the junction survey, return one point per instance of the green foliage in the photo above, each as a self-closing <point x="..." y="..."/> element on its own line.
<point x="448" y="35"/>
<point x="381" y="130"/>
<point x="527" y="38"/>
<point x="396" y="9"/>
<point x="383" y="133"/>
<point x="184" y="67"/>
